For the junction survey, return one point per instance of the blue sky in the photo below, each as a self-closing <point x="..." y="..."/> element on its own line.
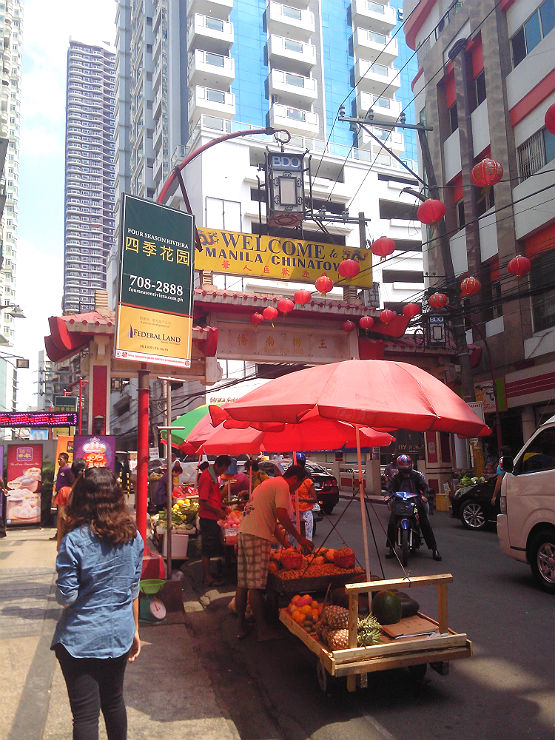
<point x="47" y="28"/>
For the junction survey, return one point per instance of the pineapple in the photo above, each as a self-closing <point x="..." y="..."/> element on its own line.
<point x="369" y="631"/>
<point x="336" y="617"/>
<point x="338" y="639"/>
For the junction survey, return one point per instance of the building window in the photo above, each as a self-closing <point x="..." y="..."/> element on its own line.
<point x="376" y="7"/>
<point x="378" y="38"/>
<point x="215" y="96"/>
<point x="543" y="291"/>
<point x="382" y="102"/>
<point x="290" y="12"/>
<point x="529" y="35"/>
<point x="453" y="118"/>
<point x="485" y="199"/>
<point x="535" y="153"/>
<point x="216" y="60"/>
<point x="214" y="24"/>
<point x="296" y="114"/>
<point x="296" y="80"/>
<point x="380" y="69"/>
<point x="478" y="90"/>
<point x="461" y="221"/>
<point x="294" y="46"/>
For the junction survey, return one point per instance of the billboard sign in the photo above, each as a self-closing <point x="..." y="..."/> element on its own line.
<point x="97" y="451"/>
<point x="154" y="316"/>
<point x="24" y="473"/>
<point x="273" y="257"/>
<point x="37" y="419"/>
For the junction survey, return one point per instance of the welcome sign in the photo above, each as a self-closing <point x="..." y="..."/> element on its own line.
<point x="154" y="317"/>
<point x="279" y="258"/>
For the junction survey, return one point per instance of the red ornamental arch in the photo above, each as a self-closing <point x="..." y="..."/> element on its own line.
<point x="270" y="313"/>
<point x="438" y="300"/>
<point x="366" y="322"/>
<point x="519" y="266"/>
<point x="285" y="305"/>
<point x="348" y="269"/>
<point x="411" y="310"/>
<point x="302" y="297"/>
<point x="550" y="118"/>
<point x="470" y="286"/>
<point x="257" y="318"/>
<point x="383" y="247"/>
<point x="487" y="172"/>
<point x="348" y="326"/>
<point x="431" y="211"/>
<point x="387" y="316"/>
<point x="324" y="284"/>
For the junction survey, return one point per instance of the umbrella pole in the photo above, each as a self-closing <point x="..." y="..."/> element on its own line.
<point x="298" y="516"/>
<point x="363" y="513"/>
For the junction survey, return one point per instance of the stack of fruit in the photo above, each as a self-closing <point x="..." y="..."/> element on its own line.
<point x="305" y="611"/>
<point x="289" y="564"/>
<point x="232" y="520"/>
<point x="333" y="629"/>
<point x="184" y="514"/>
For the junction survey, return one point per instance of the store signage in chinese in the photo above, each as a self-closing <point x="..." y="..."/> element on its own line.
<point x="154" y="317"/>
<point x="291" y="344"/>
<point x="253" y="255"/>
<point x="37" y="419"/>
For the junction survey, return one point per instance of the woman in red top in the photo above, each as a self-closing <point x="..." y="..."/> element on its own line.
<point x="210" y="510"/>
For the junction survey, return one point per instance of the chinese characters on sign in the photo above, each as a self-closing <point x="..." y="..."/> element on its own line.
<point x="154" y="318"/>
<point x="275" y="257"/>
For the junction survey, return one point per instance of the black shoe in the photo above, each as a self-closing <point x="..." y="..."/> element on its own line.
<point x="436" y="555"/>
<point x="389" y="554"/>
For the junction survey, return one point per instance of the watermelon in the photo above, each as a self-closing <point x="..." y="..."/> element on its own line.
<point x="386" y="607"/>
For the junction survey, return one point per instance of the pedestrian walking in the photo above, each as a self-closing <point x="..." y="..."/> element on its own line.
<point x="99" y="566"/>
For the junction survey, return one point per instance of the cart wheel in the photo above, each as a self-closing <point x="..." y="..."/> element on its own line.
<point x="327" y="683"/>
<point x="417" y="672"/>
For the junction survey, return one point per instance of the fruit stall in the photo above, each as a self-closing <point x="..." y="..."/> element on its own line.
<point x="348" y="645"/>
<point x="184" y="518"/>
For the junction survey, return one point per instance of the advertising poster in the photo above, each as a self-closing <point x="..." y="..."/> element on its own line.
<point x="98" y="451"/>
<point x="154" y="314"/>
<point x="24" y="472"/>
<point x="257" y="255"/>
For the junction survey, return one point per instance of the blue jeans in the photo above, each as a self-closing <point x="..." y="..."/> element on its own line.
<point x="94" y="684"/>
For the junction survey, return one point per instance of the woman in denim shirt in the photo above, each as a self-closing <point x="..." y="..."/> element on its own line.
<point x="99" y="567"/>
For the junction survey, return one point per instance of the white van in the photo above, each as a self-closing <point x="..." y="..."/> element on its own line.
<point x="526" y="525"/>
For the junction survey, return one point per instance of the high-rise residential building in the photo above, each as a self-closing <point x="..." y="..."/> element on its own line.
<point x="486" y="78"/>
<point x="89" y="172"/>
<point x="188" y="72"/>
<point x="11" y="29"/>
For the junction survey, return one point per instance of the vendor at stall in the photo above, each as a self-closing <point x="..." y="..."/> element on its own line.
<point x="269" y="506"/>
<point x="210" y="510"/>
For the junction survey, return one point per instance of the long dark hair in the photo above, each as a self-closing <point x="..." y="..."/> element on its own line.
<point x="97" y="500"/>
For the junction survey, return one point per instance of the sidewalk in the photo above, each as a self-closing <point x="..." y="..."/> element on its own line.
<point x="168" y="691"/>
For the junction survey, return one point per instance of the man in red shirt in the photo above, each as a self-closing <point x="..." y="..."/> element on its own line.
<point x="210" y="510"/>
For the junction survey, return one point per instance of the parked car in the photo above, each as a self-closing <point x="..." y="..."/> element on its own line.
<point x="526" y="524"/>
<point x="325" y="484"/>
<point x="472" y="504"/>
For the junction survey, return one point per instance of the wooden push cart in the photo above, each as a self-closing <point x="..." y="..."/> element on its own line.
<point x="414" y="642"/>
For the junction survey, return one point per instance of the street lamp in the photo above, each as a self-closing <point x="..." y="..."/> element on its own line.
<point x="16" y="312"/>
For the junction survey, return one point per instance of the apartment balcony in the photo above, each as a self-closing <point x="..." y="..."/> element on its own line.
<point x="384" y="108"/>
<point x="370" y="44"/>
<point x="206" y="67"/>
<point x="300" y="55"/>
<point x="209" y="33"/>
<point x="295" y="120"/>
<point x="206" y="7"/>
<point x="293" y="86"/>
<point x="375" y="78"/>
<point x="379" y="16"/>
<point x="286" y="20"/>
<point x="393" y="140"/>
<point x="207" y="101"/>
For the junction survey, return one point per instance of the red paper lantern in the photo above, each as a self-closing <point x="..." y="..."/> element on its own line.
<point x="301" y="297"/>
<point x="383" y="247"/>
<point x="270" y="313"/>
<point x="410" y="310"/>
<point x="366" y="322"/>
<point x="438" y="300"/>
<point x="431" y="211"/>
<point x="285" y="305"/>
<point x="519" y="266"/>
<point x="487" y="172"/>
<point x="257" y="318"/>
<point x="324" y="284"/>
<point x="550" y="118"/>
<point x="470" y="286"/>
<point x="348" y="326"/>
<point x="348" y="269"/>
<point x="387" y="316"/>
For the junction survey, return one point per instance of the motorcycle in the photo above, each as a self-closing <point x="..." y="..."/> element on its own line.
<point x="407" y="526"/>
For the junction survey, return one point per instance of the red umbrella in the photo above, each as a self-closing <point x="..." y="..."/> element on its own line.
<point x="378" y="393"/>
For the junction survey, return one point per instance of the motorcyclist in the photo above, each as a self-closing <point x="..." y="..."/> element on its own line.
<point x="411" y="481"/>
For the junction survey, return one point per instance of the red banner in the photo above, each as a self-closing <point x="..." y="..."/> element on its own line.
<point x="24" y="479"/>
